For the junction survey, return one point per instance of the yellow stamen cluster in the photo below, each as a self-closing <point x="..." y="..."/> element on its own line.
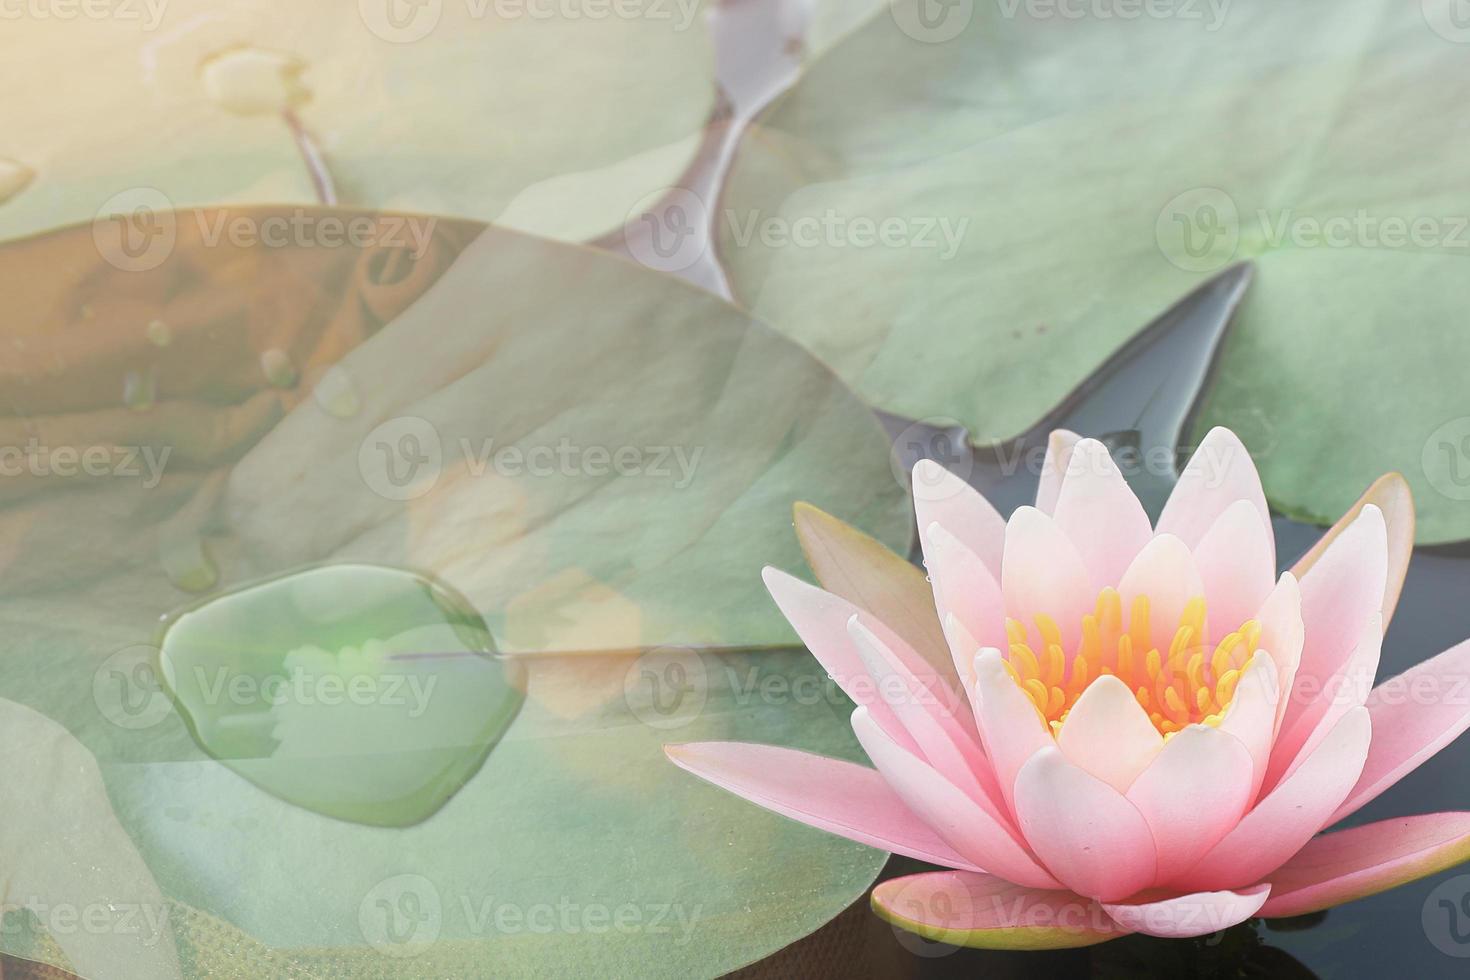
<point x="1182" y="683"/>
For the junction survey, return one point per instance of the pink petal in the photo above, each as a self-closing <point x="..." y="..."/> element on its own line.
<point x="1415" y="715"/>
<point x="1342" y="590"/>
<point x="1390" y="493"/>
<point x="967" y="590"/>
<point x="1059" y="446"/>
<point x="954" y="816"/>
<point x="1164" y="572"/>
<point x="1192" y="795"/>
<point x="1287" y="818"/>
<point x="952" y="748"/>
<point x="1043" y="573"/>
<point x="820" y="619"/>
<point x="1083" y="830"/>
<point x="1251" y="717"/>
<point x="1218" y="474"/>
<point x="867" y="574"/>
<point x="1237" y="563"/>
<point x="962" y="908"/>
<point x="842" y="798"/>
<point x="1199" y="914"/>
<point x="1353" y="864"/>
<point x="1282" y="634"/>
<point x="1108" y="735"/>
<point x="941" y="497"/>
<point x="1100" y="514"/>
<point x="964" y="647"/>
<point x="1011" y="730"/>
<point x="1348" y="689"/>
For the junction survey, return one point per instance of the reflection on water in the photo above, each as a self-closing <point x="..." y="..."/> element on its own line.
<point x="361" y="692"/>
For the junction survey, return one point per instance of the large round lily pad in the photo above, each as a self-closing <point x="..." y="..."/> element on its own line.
<point x="965" y="207"/>
<point x="555" y="118"/>
<point x="505" y="416"/>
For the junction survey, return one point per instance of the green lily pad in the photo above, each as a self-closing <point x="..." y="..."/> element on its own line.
<point x="1018" y="190"/>
<point x="624" y="583"/>
<point x="554" y="119"/>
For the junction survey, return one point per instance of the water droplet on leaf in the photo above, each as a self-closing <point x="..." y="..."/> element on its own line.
<point x="252" y="81"/>
<point x="336" y="393"/>
<point x="371" y="711"/>
<point x="14" y="178"/>
<point x="188" y="563"/>
<point x="140" y="389"/>
<point x="276" y="365"/>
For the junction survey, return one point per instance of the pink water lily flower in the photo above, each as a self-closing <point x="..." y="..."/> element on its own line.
<point x="1103" y="726"/>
